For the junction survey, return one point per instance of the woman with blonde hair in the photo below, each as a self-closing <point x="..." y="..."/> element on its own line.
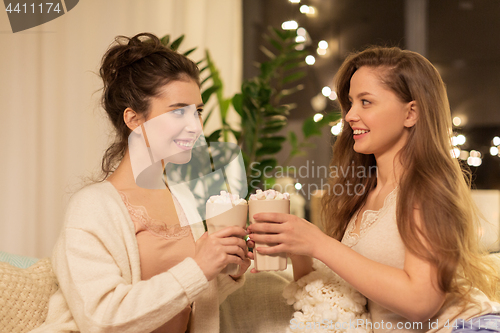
<point x="128" y="259"/>
<point x="407" y="237"/>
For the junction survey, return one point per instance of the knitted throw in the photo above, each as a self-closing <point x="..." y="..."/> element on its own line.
<point x="24" y="295"/>
<point x="324" y="302"/>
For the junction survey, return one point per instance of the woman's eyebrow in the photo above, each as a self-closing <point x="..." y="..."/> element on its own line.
<point x="360" y="95"/>
<point x="184" y="104"/>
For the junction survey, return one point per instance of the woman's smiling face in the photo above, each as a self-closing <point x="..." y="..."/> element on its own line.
<point x="378" y="117"/>
<point x="180" y="105"/>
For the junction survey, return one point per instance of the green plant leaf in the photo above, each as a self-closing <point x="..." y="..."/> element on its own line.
<point x="268" y="183"/>
<point x="238" y="104"/>
<point x="176" y="43"/>
<point x="274" y="42"/>
<point x="207" y="93"/>
<point x="269" y="150"/>
<point x="188" y="52"/>
<point x="310" y="128"/>
<point x="203" y="69"/>
<point x="282" y="34"/>
<point x="165" y="40"/>
<point x="214" y="137"/>
<point x="205" y="80"/>
<point x="224" y="107"/>
<point x="292" y="139"/>
<point x="272" y="129"/>
<point x="294" y="77"/>
<point x="272" y="141"/>
<point x="209" y="113"/>
<point x="237" y="134"/>
<point x="268" y="53"/>
<point x="288" y="92"/>
<point x="294" y="64"/>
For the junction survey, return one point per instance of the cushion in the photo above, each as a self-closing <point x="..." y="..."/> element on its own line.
<point x="16" y="260"/>
<point x="258" y="306"/>
<point x="24" y="295"/>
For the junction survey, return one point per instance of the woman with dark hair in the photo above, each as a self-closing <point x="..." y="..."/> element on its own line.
<point x="406" y="237"/>
<point x="128" y="260"/>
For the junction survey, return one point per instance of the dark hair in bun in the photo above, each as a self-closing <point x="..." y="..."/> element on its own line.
<point x="133" y="71"/>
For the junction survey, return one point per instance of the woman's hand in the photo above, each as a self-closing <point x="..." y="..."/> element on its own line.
<point x="243" y="268"/>
<point x="213" y="252"/>
<point x="293" y="235"/>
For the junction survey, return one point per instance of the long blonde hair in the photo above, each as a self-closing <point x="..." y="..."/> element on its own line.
<point x="432" y="179"/>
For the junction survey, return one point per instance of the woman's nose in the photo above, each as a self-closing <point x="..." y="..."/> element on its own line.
<point x="193" y="123"/>
<point x="351" y="115"/>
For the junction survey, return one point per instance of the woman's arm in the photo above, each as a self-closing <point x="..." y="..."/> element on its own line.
<point x="411" y="292"/>
<point x="102" y="295"/>
<point x="302" y="265"/>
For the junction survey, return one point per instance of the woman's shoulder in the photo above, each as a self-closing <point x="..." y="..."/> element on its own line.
<point x="102" y="192"/>
<point x="94" y="202"/>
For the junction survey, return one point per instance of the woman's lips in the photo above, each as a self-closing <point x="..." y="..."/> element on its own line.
<point x="359" y="133"/>
<point x="184" y="144"/>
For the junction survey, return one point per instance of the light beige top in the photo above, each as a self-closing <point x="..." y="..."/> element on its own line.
<point x="161" y="247"/>
<point x="379" y="240"/>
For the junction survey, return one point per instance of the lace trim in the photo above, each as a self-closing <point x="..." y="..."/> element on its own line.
<point x="368" y="220"/>
<point x="156" y="227"/>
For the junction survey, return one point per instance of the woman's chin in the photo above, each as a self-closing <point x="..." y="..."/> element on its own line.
<point x="181" y="158"/>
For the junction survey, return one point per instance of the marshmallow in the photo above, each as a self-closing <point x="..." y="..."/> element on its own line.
<point x="269" y="195"/>
<point x="225" y="198"/>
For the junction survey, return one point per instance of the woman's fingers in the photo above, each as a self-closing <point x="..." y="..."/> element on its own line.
<point x="271" y="249"/>
<point x="267" y="238"/>
<point x="271" y="217"/>
<point x="266" y="227"/>
<point x="250" y="255"/>
<point x="235" y="251"/>
<point x="230" y="231"/>
<point x="234" y="241"/>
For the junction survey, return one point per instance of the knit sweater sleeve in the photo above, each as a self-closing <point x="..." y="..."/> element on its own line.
<point x="227" y="285"/>
<point x="96" y="262"/>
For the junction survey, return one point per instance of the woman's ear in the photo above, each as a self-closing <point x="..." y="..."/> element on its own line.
<point x="132" y="119"/>
<point x="411" y="114"/>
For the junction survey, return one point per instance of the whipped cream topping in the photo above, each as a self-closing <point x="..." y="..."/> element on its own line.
<point x="269" y="195"/>
<point x="227" y="198"/>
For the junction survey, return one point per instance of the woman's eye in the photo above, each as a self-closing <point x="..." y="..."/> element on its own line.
<point x="365" y="102"/>
<point x="179" y="112"/>
<point x="199" y="111"/>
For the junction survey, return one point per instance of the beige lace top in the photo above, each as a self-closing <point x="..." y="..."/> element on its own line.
<point x="379" y="240"/>
<point x="161" y="247"/>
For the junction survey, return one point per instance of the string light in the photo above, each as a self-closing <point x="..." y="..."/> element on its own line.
<point x="457" y="121"/>
<point x="300" y="39"/>
<point x="310" y="60"/>
<point x="464" y="155"/>
<point x="496" y="141"/>
<point x="336" y="129"/>
<point x="458" y="140"/>
<point x="294" y="1"/>
<point x="317" y="117"/>
<point x="289" y="25"/>
<point x="326" y="91"/>
<point x="323" y="44"/>
<point x="333" y="96"/>
<point x="494" y="151"/>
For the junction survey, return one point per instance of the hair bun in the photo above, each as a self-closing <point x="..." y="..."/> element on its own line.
<point x="126" y="52"/>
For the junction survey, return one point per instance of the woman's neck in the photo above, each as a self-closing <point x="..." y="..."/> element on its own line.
<point x="389" y="170"/>
<point x="123" y="176"/>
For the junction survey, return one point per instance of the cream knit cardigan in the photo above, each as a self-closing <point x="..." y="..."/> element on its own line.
<point x="96" y="261"/>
